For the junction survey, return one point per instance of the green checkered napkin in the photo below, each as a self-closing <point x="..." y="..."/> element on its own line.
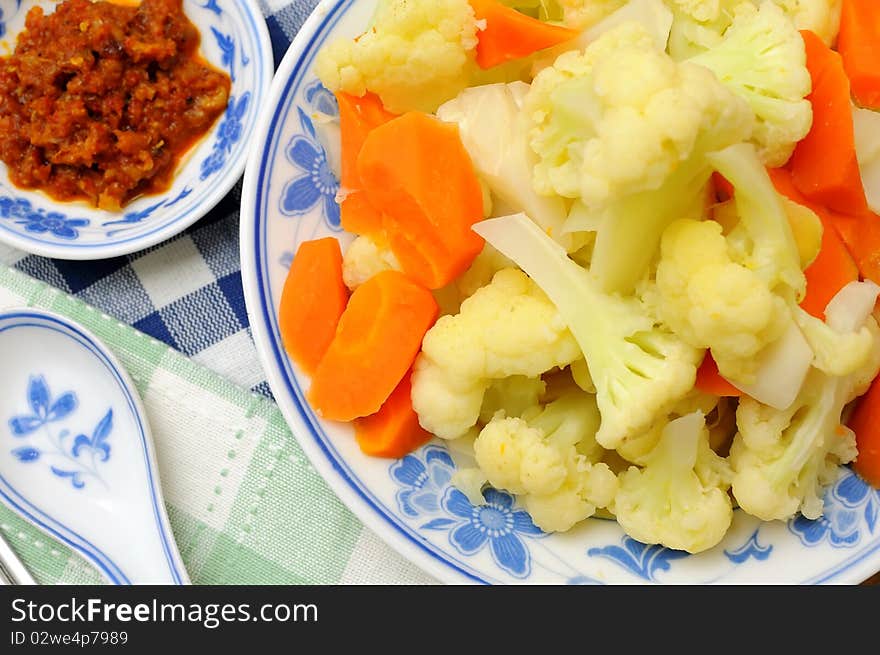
<point x="244" y="503"/>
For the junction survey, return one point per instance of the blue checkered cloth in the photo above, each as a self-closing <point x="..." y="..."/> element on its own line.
<point x="187" y="291"/>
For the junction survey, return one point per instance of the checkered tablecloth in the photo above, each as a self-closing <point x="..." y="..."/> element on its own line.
<point x="187" y="291"/>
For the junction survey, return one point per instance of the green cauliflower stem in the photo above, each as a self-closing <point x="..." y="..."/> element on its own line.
<point x="762" y="59"/>
<point x="782" y="459"/>
<point x="712" y="302"/>
<point x="416" y="55"/>
<point x="774" y="254"/>
<point x="679" y="499"/>
<point x="507" y="328"/>
<point x="549" y="459"/>
<point x="639" y="370"/>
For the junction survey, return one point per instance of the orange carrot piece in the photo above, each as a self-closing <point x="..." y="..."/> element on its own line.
<point x="358" y="116"/>
<point x="859" y="45"/>
<point x="860" y="234"/>
<point x="834" y="266"/>
<point x="312" y="301"/>
<point x="865" y="422"/>
<point x="416" y="171"/>
<point x="723" y="188"/>
<point x="824" y="165"/>
<point x="510" y="34"/>
<point x="709" y="380"/>
<point x="358" y="216"/>
<point x="377" y="340"/>
<point x="832" y="270"/>
<point x="394" y="430"/>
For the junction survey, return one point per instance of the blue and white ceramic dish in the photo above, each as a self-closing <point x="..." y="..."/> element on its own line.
<point x="235" y="39"/>
<point x="76" y="455"/>
<point x="288" y="198"/>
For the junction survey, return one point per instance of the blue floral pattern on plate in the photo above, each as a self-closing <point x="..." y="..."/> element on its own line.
<point x="39" y="221"/>
<point x="316" y="186"/>
<point x="74" y="462"/>
<point x="643" y="560"/>
<point x="425" y="479"/>
<point x="851" y="511"/>
<point x="751" y="548"/>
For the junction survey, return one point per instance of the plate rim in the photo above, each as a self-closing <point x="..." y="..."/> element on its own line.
<point x="373" y="517"/>
<point x="231" y="176"/>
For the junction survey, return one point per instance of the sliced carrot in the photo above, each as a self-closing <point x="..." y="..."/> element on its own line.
<point x="358" y="116"/>
<point x="313" y="299"/>
<point x="394" y="430"/>
<point x="824" y="165"/>
<point x="865" y="422"/>
<point x="859" y="44"/>
<point x="859" y="234"/>
<point x="510" y="34"/>
<point x="709" y="380"/>
<point x="834" y="266"/>
<point x="416" y="171"/>
<point x="723" y="188"/>
<point x="377" y="340"/>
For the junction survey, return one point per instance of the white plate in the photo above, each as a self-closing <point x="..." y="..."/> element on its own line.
<point x="287" y="198"/>
<point x="235" y="39"/>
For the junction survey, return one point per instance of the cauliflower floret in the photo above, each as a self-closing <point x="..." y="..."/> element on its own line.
<point x="625" y="129"/>
<point x="581" y="14"/>
<point x="762" y="59"/>
<point x="819" y="16"/>
<point x="639" y="369"/>
<point x="512" y="396"/>
<point x="546" y="461"/>
<point x="507" y="328"/>
<point x="712" y="302"/>
<point x="621" y="116"/>
<point x="680" y="498"/>
<point x="416" y="55"/>
<point x="364" y="258"/>
<point x="637" y="449"/>
<point x="700" y="24"/>
<point x="782" y="459"/>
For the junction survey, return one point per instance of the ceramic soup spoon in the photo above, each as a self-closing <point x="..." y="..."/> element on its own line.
<point x="76" y="455"/>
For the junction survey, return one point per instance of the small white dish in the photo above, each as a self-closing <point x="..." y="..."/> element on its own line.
<point x="76" y="455"/>
<point x="234" y="38"/>
<point x="287" y="198"/>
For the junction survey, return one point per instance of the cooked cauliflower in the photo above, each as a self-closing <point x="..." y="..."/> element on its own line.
<point x="627" y="130"/>
<point x="700" y="24"/>
<point x="819" y="16"/>
<point x="416" y="55"/>
<point x="546" y="461"/>
<point x="710" y="301"/>
<point x="679" y="499"/>
<point x="581" y="14"/>
<point x="506" y="328"/>
<point x="621" y="116"/>
<point x="762" y="59"/>
<point x="782" y="459"/>
<point x="637" y="448"/>
<point x="364" y="258"/>
<point x="639" y="369"/>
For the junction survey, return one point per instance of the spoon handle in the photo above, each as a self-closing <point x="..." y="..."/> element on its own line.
<point x="12" y="568"/>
